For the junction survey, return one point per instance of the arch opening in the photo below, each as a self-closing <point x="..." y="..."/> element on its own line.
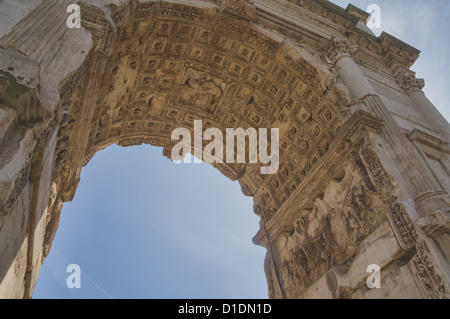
<point x="163" y="66"/>
<point x="347" y="172"/>
<point x="141" y="226"/>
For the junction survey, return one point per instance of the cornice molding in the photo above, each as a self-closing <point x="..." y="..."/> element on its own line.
<point x="396" y="51"/>
<point x="339" y="22"/>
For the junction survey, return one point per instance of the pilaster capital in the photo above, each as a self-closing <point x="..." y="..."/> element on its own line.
<point x="407" y="81"/>
<point x="339" y="48"/>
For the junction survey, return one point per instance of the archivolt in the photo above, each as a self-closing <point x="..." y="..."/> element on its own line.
<point x="164" y="65"/>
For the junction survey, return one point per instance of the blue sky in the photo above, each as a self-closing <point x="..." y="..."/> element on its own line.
<point x="141" y="226"/>
<point x="144" y="227"/>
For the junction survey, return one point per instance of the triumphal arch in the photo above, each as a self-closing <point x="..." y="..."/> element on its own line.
<point x="364" y="157"/>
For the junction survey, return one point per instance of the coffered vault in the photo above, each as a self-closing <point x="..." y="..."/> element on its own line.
<point x="355" y="186"/>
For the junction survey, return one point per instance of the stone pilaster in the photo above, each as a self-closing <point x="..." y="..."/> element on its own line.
<point x="407" y="81"/>
<point x="416" y="174"/>
<point x="40" y="30"/>
<point x="340" y="54"/>
<point x="418" y="179"/>
<point x="351" y="189"/>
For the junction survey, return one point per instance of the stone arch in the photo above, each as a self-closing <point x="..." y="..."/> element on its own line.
<point x="347" y="172"/>
<point x="193" y="65"/>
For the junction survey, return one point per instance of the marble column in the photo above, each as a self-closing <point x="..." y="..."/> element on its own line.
<point x="417" y="176"/>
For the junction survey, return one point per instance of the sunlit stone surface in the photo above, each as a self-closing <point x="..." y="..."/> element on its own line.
<point x="364" y="157"/>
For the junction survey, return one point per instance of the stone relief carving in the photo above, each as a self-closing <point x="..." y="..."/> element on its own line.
<point x="232" y="75"/>
<point x="46" y="134"/>
<point x="377" y="173"/>
<point x="19" y="185"/>
<point x="358" y="212"/>
<point x="339" y="48"/>
<point x="427" y="273"/>
<point x="407" y="81"/>
<point x="202" y="91"/>
<point x="301" y="225"/>
<point x="160" y="65"/>
<point x="268" y="270"/>
<point x="403" y="227"/>
<point x="330" y="231"/>
<point x="308" y="258"/>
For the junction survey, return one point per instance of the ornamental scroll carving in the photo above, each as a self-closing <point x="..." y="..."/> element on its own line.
<point x="403" y="227"/>
<point x="408" y="82"/>
<point x="19" y="185"/>
<point x="339" y="48"/>
<point x="302" y="224"/>
<point x="375" y="169"/>
<point x="150" y="67"/>
<point x="425" y="270"/>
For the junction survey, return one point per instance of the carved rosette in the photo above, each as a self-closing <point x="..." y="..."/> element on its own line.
<point x="408" y="82"/>
<point x="338" y="49"/>
<point x="302" y="224"/>
<point x="425" y="270"/>
<point x="403" y="227"/>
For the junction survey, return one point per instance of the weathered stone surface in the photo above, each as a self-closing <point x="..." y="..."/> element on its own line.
<point x="352" y="188"/>
<point x="13" y="11"/>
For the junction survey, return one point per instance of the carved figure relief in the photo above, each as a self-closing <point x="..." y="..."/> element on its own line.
<point x="155" y="66"/>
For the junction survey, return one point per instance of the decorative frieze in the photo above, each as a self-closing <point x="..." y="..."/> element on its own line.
<point x="402" y="226"/>
<point x="161" y="65"/>
<point x="375" y="168"/>
<point x="428" y="274"/>
<point x="19" y="185"/>
<point x="397" y="52"/>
